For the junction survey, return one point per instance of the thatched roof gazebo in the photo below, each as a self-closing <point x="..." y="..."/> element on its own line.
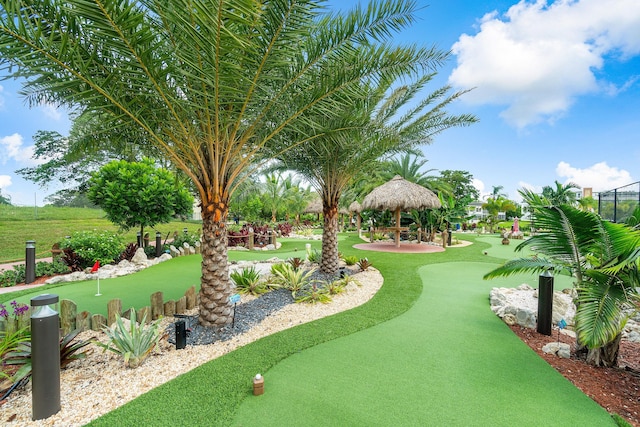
<point x="400" y="195"/>
<point x="314" y="206"/>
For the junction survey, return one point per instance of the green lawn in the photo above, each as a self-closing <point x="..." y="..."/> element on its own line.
<point x="48" y="225"/>
<point x="426" y="350"/>
<point x="172" y="277"/>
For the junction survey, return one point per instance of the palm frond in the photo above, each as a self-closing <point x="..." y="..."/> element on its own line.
<point x="520" y="265"/>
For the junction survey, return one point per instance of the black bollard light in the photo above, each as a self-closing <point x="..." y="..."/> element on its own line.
<point x="139" y="239"/>
<point x="45" y="357"/>
<point x="30" y="261"/>
<point x="185" y="231"/>
<point x="181" y="334"/>
<point x="545" y="302"/>
<point x="158" y="244"/>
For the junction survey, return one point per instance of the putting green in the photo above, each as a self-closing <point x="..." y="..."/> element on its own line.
<point x="447" y="361"/>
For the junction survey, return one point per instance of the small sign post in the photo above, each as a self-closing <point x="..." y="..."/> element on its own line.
<point x="235" y="299"/>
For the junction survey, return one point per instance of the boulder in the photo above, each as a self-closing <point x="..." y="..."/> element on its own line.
<point x="559" y="349"/>
<point x="140" y="257"/>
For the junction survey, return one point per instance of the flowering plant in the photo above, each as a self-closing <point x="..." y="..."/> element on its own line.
<point x="18" y="310"/>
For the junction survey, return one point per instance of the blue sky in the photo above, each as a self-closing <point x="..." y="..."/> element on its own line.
<point x="556" y="90"/>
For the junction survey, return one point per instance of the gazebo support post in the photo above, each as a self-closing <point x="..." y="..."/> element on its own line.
<point x="398" y="228"/>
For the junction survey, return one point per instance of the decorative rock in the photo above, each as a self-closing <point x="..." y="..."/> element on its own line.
<point x="181" y="305"/>
<point x="98" y="321"/>
<point x="559" y="349"/>
<point x="521" y="304"/>
<point x="190" y="295"/>
<point x="140" y="257"/>
<point x="157" y="305"/>
<point x="68" y="312"/>
<point x="169" y="308"/>
<point x="83" y="321"/>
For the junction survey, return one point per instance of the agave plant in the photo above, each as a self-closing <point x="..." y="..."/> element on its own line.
<point x="603" y="258"/>
<point x="364" y="264"/>
<point x="133" y="342"/>
<point x="20" y="355"/>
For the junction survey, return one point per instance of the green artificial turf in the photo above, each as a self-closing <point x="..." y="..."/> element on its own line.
<point x="449" y="362"/>
<point x="172" y="277"/>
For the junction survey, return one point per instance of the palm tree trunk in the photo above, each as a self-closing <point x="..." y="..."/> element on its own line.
<point x="329" y="264"/>
<point x="216" y="287"/>
<point x="606" y="356"/>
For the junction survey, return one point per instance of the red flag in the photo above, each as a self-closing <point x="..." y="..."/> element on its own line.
<point x="95" y="267"/>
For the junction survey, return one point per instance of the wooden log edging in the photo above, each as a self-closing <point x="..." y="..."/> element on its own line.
<point x="71" y="319"/>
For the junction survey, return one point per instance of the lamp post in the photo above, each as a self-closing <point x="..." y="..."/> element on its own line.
<point x="30" y="261"/>
<point x="45" y="357"/>
<point x="158" y="244"/>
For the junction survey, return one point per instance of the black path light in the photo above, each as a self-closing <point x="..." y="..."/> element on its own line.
<point x="45" y="357"/>
<point x="545" y="302"/>
<point x="30" y="262"/>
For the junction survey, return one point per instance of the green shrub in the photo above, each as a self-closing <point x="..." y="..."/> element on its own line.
<point x="315" y="256"/>
<point x="314" y="294"/>
<point x="183" y="238"/>
<point x="247" y="281"/>
<point x="133" y="342"/>
<point x="351" y="260"/>
<point x="43" y="268"/>
<point x="92" y="246"/>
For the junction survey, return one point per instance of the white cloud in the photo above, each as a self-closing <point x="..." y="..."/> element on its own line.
<point x="12" y="147"/>
<point x="600" y="176"/>
<point x="538" y="58"/>
<point x="478" y="184"/>
<point x="5" y="181"/>
<point x="51" y="112"/>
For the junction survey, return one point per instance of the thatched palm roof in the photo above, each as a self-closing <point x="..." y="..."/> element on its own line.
<point x="355" y="207"/>
<point x="401" y="194"/>
<point x="314" y="206"/>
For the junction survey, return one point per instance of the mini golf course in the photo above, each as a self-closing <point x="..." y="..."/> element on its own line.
<point x="426" y="350"/>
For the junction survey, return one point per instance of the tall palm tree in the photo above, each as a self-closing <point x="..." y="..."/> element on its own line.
<point x="604" y="259"/>
<point x="409" y="166"/>
<point x="369" y="129"/>
<point x="209" y="83"/>
<point x="562" y="194"/>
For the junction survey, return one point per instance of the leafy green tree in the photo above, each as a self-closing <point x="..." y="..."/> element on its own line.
<point x="4" y="200"/>
<point x="462" y="188"/>
<point x="494" y="207"/>
<point x="137" y="194"/>
<point x="70" y="198"/>
<point x="601" y="256"/>
<point x="208" y="84"/>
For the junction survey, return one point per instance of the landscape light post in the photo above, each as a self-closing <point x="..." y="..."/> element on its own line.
<point x="45" y="357"/>
<point x="545" y="302"/>
<point x="30" y="262"/>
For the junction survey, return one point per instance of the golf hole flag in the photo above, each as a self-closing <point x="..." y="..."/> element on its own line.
<point x="94" y="269"/>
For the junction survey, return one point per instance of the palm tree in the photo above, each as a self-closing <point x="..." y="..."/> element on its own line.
<point x="367" y="130"/>
<point x="603" y="258"/>
<point x="210" y="84"/>
<point x="408" y="167"/>
<point x="561" y="194"/>
<point x="494" y="207"/>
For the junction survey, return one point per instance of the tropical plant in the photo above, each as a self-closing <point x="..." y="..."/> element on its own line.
<point x="20" y="355"/>
<point x="137" y="194"/>
<point x="364" y="264"/>
<point x="313" y="294"/>
<point x="335" y="287"/>
<point x="495" y="206"/>
<point x="351" y="260"/>
<point x="603" y="258"/>
<point x="296" y="263"/>
<point x="247" y="281"/>
<point x="562" y="194"/>
<point x="315" y="256"/>
<point x="134" y="341"/>
<point x="292" y="279"/>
